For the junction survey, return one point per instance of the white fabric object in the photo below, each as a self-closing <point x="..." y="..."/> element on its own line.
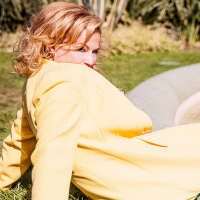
<point x="189" y="111"/>
<point x="160" y="96"/>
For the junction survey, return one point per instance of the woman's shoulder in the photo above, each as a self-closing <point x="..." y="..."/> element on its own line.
<point x="54" y="70"/>
<point x="69" y="71"/>
<point x="53" y="73"/>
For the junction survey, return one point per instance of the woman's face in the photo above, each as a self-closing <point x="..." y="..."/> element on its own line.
<point x="86" y="55"/>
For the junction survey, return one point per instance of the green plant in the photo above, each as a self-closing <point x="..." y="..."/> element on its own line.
<point x="183" y="15"/>
<point x="14" y="13"/>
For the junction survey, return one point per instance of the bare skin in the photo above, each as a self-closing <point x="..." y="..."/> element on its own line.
<point x="86" y="55"/>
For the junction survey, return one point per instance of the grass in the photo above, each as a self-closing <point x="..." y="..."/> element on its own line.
<point x="10" y="94"/>
<point x="125" y="71"/>
<point x="128" y="71"/>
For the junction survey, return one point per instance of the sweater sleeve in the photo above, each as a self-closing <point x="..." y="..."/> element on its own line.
<point x="58" y="110"/>
<point x="16" y="152"/>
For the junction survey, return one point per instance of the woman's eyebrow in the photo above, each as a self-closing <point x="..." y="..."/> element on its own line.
<point x="78" y="45"/>
<point x="89" y="48"/>
<point x="96" y="49"/>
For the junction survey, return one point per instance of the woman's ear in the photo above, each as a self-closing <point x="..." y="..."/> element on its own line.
<point x="52" y="52"/>
<point x="51" y="49"/>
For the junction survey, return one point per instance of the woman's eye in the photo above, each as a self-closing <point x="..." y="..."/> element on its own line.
<point x="96" y="52"/>
<point x="81" y="49"/>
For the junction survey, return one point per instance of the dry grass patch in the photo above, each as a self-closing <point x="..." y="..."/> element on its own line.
<point x="8" y="40"/>
<point x="139" y="38"/>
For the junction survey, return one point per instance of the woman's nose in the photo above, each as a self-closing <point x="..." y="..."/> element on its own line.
<point x="90" y="59"/>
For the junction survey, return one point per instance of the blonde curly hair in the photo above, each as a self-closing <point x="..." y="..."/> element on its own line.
<point x="58" y="24"/>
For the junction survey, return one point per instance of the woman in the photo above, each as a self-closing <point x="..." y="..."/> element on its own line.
<point x="75" y="125"/>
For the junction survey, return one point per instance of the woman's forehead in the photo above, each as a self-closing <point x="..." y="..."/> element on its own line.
<point x="82" y="37"/>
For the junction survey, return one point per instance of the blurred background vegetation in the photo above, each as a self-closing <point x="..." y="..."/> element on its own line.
<point x="131" y="25"/>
